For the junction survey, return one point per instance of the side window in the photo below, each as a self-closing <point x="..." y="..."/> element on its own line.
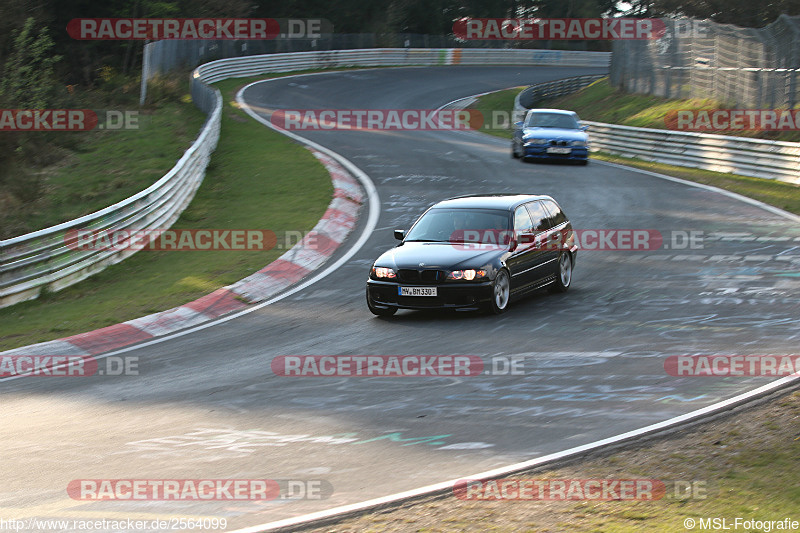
<point x="522" y="220"/>
<point x="540" y="217"/>
<point x="557" y="216"/>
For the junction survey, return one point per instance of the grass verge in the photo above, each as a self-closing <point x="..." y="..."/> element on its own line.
<point x="257" y="179"/>
<point x="105" y="167"/>
<point x="746" y="463"/>
<point x="631" y="110"/>
<point x="495" y="108"/>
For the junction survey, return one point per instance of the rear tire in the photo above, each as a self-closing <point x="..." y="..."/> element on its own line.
<point x="501" y="293"/>
<point x="379" y="311"/>
<point x="564" y="274"/>
<point x="514" y="153"/>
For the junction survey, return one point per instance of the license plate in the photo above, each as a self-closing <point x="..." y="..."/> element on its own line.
<point x="416" y="291"/>
<point x="555" y="150"/>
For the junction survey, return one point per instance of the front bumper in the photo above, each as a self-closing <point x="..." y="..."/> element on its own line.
<point x="577" y="153"/>
<point x="449" y="295"/>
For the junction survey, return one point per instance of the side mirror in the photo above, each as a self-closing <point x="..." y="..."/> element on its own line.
<point x="584" y="128"/>
<point x="513" y="244"/>
<point x="518" y="125"/>
<point x="399" y="234"/>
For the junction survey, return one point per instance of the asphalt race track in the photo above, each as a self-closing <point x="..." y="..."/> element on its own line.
<point x="207" y="405"/>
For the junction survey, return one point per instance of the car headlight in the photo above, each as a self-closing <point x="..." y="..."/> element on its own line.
<point x="468" y="274"/>
<point x="578" y="143"/>
<point x="536" y="141"/>
<point x="383" y="273"/>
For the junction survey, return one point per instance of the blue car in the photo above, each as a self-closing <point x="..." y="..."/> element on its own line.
<point x="550" y="134"/>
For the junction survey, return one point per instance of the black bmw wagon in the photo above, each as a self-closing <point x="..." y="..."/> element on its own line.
<point x="474" y="252"/>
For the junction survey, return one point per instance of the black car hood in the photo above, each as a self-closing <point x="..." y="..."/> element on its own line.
<point x="440" y="255"/>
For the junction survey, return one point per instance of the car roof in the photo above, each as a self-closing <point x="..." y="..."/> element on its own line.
<point x="490" y="201"/>
<point x="558" y="111"/>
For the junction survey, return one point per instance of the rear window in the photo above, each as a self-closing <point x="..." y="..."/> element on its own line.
<point x="540" y="217"/>
<point x="557" y="216"/>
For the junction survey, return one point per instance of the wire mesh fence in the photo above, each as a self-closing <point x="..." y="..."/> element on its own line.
<point x="702" y="59"/>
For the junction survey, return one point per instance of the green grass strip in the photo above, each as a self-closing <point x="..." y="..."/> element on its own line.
<point x="107" y="166"/>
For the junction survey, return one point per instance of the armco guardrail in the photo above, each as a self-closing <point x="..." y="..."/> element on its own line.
<point x="239" y="67"/>
<point x="721" y="153"/>
<point x="553" y="89"/>
<point x="378" y="57"/>
<point x="43" y="259"/>
<point x="738" y="155"/>
<point x="254" y="65"/>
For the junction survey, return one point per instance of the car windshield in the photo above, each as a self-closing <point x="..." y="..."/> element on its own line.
<point x="551" y="120"/>
<point x="485" y="226"/>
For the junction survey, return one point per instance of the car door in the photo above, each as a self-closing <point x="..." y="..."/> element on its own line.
<point x="545" y="246"/>
<point x="523" y="261"/>
<point x="559" y="229"/>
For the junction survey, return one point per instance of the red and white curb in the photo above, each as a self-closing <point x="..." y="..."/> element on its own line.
<point x="295" y="264"/>
<point x="316" y="247"/>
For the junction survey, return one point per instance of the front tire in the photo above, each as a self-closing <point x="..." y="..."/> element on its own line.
<point x="379" y="311"/>
<point x="501" y="292"/>
<point x="514" y="153"/>
<point x="564" y="274"/>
